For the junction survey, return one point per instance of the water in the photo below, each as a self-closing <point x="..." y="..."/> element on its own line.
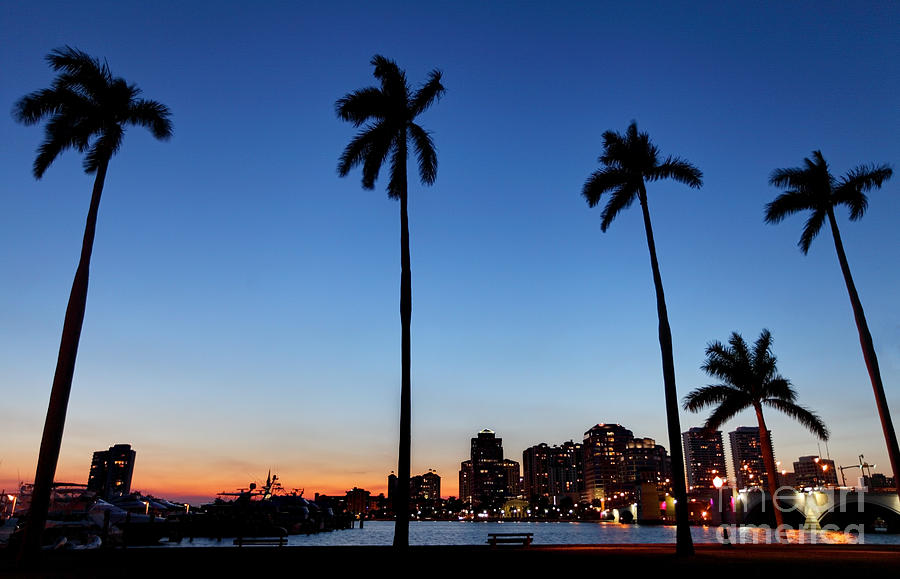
<point x="550" y="533"/>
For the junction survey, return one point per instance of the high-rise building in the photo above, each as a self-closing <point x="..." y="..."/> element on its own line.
<point x="604" y="451"/>
<point x="747" y="457"/>
<point x="704" y="454"/>
<point x="536" y="471"/>
<point x="567" y="480"/>
<point x="425" y="487"/>
<point x="813" y="471"/>
<point x="422" y="487"/>
<point x="553" y="471"/>
<point x="111" y="471"/>
<point x="487" y="477"/>
<point x="644" y="461"/>
<point x="358" y="501"/>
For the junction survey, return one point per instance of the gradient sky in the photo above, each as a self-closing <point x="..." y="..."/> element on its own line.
<point x="243" y="308"/>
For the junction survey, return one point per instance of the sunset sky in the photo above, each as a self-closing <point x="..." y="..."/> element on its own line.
<point x="243" y="313"/>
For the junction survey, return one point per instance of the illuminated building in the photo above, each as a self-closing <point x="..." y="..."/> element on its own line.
<point x="422" y="487"/>
<point x="111" y="471"/>
<point x="704" y="454"/>
<point x="644" y="461"/>
<point x="425" y="487"/>
<point x="813" y="471"/>
<point x="358" y="501"/>
<point x="604" y="450"/>
<point x="747" y="458"/>
<point x="536" y="471"/>
<point x="487" y="477"/>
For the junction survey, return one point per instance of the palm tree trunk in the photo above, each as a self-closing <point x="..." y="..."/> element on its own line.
<point x="401" y="503"/>
<point x="683" y="543"/>
<point x="768" y="454"/>
<point x="51" y="440"/>
<point x="868" y="348"/>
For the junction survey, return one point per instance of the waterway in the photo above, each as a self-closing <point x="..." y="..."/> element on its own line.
<point x="557" y="533"/>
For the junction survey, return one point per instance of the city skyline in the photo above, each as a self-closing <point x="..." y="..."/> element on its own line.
<point x="242" y="314"/>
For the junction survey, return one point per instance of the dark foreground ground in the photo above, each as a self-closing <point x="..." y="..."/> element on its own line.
<point x="882" y="562"/>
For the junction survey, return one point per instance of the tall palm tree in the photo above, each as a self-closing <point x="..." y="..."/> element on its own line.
<point x="813" y="188"/>
<point x="750" y="379"/>
<point x="87" y="109"/>
<point x="389" y="115"/>
<point x="629" y="161"/>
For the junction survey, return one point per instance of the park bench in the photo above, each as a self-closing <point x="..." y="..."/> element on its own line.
<point x="273" y="541"/>
<point x="523" y="539"/>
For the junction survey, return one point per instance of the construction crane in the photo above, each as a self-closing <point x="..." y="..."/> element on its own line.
<point x="865" y="469"/>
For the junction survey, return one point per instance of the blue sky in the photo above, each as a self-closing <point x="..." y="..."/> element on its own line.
<point x="243" y="309"/>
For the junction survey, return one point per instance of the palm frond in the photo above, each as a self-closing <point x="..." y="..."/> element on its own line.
<point x="811" y="229"/>
<point x="428" y="94"/>
<point x="728" y="409"/>
<point x="790" y="178"/>
<point x="788" y="203"/>
<point x="378" y="149"/>
<point x="867" y="177"/>
<point x="425" y="153"/>
<point x="762" y="349"/>
<point x="82" y="74"/>
<point x="151" y="115"/>
<point x="601" y="181"/>
<point x="709" y="395"/>
<point x="61" y="132"/>
<point x="620" y="199"/>
<point x="393" y="80"/>
<point x="33" y="107"/>
<point x="361" y="106"/>
<point x="808" y="419"/>
<point x="75" y="61"/>
<point x="49" y="150"/>
<point x="721" y="363"/>
<point x="104" y="148"/>
<point x="780" y="388"/>
<point x="677" y="170"/>
<point x="615" y="149"/>
<point x="356" y="150"/>
<point x="850" y="189"/>
<point x="740" y="349"/>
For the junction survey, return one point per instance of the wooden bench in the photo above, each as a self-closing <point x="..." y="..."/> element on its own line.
<point x="273" y="541"/>
<point x="523" y="539"/>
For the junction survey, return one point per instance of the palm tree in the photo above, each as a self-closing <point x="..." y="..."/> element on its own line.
<point x="87" y="109"/>
<point x="813" y="188"/>
<point x="389" y="114"/>
<point x="750" y="379"/>
<point x="629" y="161"/>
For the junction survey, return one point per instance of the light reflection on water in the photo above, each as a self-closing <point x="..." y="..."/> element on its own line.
<point x="552" y="533"/>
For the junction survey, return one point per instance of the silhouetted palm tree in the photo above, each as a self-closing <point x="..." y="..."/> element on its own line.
<point x="389" y="115"/>
<point x="750" y="379"/>
<point x="813" y="188"/>
<point x="87" y="109"/>
<point x="629" y="161"/>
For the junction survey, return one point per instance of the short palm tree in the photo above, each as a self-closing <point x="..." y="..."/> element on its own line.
<point x="629" y="161"/>
<point x="813" y="188"/>
<point x="750" y="379"/>
<point x="389" y="115"/>
<point x="87" y="109"/>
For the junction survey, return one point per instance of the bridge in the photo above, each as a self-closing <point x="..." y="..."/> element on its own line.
<point x="816" y="508"/>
